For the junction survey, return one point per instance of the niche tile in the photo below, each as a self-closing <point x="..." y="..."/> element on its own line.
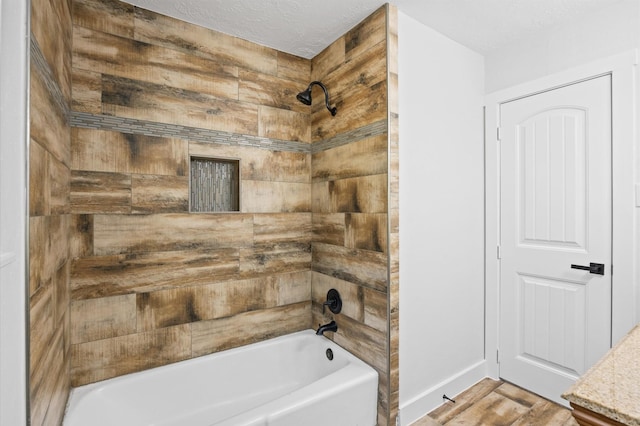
<point x="214" y="185"/>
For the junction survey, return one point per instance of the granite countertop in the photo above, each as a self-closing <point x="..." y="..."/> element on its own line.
<point x="612" y="386"/>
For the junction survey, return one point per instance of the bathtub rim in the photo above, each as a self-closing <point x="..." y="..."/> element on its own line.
<point x="77" y="394"/>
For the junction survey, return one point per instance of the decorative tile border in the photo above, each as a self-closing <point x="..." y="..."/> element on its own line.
<point x="164" y="130"/>
<point x="150" y="128"/>
<point x="373" y="129"/>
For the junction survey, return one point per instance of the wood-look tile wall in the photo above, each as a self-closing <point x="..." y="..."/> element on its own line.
<point x="49" y="209"/>
<point x="351" y="201"/>
<point x="152" y="283"/>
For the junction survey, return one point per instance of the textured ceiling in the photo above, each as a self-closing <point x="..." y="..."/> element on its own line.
<point x="305" y="27"/>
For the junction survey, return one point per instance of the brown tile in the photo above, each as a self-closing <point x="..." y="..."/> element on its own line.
<point x="46" y="385"/>
<point x="375" y="309"/>
<point x="179" y="35"/>
<point x="426" y="421"/>
<point x="51" y="28"/>
<point x="123" y="57"/>
<point x="109" y="16"/>
<point x="360" y="107"/>
<point x="366" y="34"/>
<point x="275" y="258"/>
<point x="519" y="395"/>
<point x="107" y="151"/>
<point x="364" y="157"/>
<point x="274" y="197"/>
<point x="392" y="36"/>
<point x="366" y="194"/>
<point x="366" y="231"/>
<point x="329" y="228"/>
<point x="111" y="275"/>
<point x="283" y="124"/>
<point x="365" y="342"/>
<point x="87" y="91"/>
<point x="61" y="292"/>
<point x="39" y="185"/>
<point x="294" y="68"/>
<point x="41" y="325"/>
<point x="363" y="267"/>
<point x="357" y="76"/>
<point x="106" y="358"/>
<point x="493" y="409"/>
<point x="282" y="228"/>
<point x="80" y="235"/>
<point x="159" y="194"/>
<point x="250" y="327"/>
<point x="100" y="192"/>
<point x="546" y="413"/>
<point x="115" y="234"/>
<point x="48" y="124"/>
<point x="466" y="399"/>
<point x="59" y="395"/>
<point x="137" y="99"/>
<point x="60" y="186"/>
<point x="268" y="90"/>
<point x="329" y="59"/>
<point x="183" y="305"/>
<point x="102" y="318"/>
<point x="498" y="403"/>
<point x="293" y="287"/>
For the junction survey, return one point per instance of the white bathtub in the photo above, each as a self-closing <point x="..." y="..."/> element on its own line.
<point x="286" y="381"/>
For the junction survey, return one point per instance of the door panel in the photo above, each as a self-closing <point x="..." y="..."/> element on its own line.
<point x="553" y="329"/>
<point x="553" y="176"/>
<point x="555" y="321"/>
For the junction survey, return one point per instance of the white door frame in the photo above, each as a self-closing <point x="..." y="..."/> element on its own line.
<point x="625" y="161"/>
<point x="14" y="83"/>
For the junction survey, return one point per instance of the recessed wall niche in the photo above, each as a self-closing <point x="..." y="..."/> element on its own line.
<point x="214" y="185"/>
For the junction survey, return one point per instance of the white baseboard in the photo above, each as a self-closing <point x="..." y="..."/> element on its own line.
<point x="431" y="398"/>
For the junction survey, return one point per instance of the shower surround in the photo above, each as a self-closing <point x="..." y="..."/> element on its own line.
<point x="151" y="283"/>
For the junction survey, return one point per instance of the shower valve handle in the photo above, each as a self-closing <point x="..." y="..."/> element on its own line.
<point x="334" y="302"/>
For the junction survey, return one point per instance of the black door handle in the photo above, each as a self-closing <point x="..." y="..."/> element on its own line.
<point x="593" y="268"/>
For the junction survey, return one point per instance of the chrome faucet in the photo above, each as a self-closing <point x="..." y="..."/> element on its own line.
<point x="332" y="326"/>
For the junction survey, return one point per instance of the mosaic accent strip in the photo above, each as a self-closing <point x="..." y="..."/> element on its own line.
<point x="363" y="132"/>
<point x="41" y="66"/>
<point x="150" y="128"/>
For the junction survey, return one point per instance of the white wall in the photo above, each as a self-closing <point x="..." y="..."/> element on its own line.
<point x="587" y="38"/>
<point x="441" y="218"/>
<point x="13" y="213"/>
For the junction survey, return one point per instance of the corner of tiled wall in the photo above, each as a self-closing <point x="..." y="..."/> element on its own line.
<point x="352" y="199"/>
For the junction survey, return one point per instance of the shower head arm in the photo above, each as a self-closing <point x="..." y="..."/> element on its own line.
<point x="332" y="110"/>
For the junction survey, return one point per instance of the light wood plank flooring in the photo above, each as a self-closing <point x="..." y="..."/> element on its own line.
<point x="496" y="403"/>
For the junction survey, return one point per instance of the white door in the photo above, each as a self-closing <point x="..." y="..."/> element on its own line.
<point x="555" y="189"/>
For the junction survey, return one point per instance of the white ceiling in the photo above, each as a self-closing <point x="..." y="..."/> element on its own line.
<point x="305" y="27"/>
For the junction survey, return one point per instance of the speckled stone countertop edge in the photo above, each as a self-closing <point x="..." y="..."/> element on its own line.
<point x="574" y="394"/>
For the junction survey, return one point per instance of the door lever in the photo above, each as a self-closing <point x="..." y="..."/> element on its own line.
<point x="593" y="268"/>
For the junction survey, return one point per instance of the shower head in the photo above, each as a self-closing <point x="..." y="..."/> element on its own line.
<point x="305" y="96"/>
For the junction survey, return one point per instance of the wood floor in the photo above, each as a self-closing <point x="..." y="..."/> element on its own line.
<point x="495" y="403"/>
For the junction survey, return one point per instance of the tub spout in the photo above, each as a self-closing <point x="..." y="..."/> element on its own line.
<point x="332" y="326"/>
